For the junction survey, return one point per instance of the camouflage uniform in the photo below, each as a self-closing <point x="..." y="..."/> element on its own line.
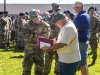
<point x="7" y="31"/>
<point x="32" y="51"/>
<point x="94" y="29"/>
<point x="98" y="36"/>
<point x="12" y="30"/>
<point x="2" y="30"/>
<point x="53" y="35"/>
<point x="19" y="24"/>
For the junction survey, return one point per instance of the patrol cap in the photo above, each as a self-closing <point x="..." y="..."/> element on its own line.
<point x="55" y="6"/>
<point x="21" y="14"/>
<point x="33" y="14"/>
<point x="59" y="16"/>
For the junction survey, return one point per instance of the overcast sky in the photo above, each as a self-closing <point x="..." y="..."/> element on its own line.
<point x="49" y="1"/>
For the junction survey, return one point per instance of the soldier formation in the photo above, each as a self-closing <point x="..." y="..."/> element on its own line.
<point x="25" y="30"/>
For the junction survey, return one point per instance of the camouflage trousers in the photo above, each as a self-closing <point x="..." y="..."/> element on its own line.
<point x="2" y="44"/>
<point x="93" y="44"/>
<point x="36" y="56"/>
<point x="57" y="66"/>
<point x="12" y="35"/>
<point x="20" y="43"/>
<point x="42" y="67"/>
<point x="7" y="37"/>
<point x="49" y="57"/>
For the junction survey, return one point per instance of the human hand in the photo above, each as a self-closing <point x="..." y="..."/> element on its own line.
<point x="46" y="49"/>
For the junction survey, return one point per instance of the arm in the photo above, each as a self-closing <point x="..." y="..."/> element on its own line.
<point x="95" y="28"/>
<point x="65" y="39"/>
<point x="54" y="47"/>
<point x="98" y="25"/>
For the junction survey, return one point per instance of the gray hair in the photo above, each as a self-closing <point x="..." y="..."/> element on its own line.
<point x="78" y="4"/>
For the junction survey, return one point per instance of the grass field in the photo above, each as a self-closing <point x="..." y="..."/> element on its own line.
<point x="11" y="63"/>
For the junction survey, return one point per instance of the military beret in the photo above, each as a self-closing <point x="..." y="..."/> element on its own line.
<point x="21" y="14"/>
<point x="26" y="13"/>
<point x="91" y="8"/>
<point x="50" y="11"/>
<point x="66" y="11"/>
<point x="55" y="6"/>
<point x="58" y="17"/>
<point x="5" y="12"/>
<point x="1" y="13"/>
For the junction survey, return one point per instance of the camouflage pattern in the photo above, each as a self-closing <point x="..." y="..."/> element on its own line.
<point x="32" y="51"/>
<point x="99" y="35"/>
<point x="54" y="28"/>
<point x="19" y="24"/>
<point x="2" y="31"/>
<point x="53" y="35"/>
<point x="7" y="31"/>
<point x="13" y="30"/>
<point x="94" y="30"/>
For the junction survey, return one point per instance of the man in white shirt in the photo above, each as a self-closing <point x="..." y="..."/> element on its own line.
<point x="67" y="45"/>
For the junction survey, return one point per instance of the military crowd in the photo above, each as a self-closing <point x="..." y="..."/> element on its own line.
<point x="25" y="30"/>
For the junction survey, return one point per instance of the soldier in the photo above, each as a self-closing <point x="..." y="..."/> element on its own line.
<point x="46" y="16"/>
<point x="98" y="16"/>
<point x="27" y="17"/>
<point x="12" y="30"/>
<point x="19" y="23"/>
<point x="35" y="28"/>
<point x="2" y="30"/>
<point x="7" y="29"/>
<point x="94" y="29"/>
<point x="54" y="33"/>
<point x="69" y="14"/>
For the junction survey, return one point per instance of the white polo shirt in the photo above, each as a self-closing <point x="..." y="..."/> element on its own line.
<point x="68" y="35"/>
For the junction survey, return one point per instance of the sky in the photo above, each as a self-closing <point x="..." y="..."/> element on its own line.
<point x="49" y="1"/>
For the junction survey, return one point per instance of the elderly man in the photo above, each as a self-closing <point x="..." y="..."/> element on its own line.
<point x="36" y="28"/>
<point x="82" y="23"/>
<point x="67" y="45"/>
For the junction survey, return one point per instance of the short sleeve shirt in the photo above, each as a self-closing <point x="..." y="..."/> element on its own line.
<point x="68" y="35"/>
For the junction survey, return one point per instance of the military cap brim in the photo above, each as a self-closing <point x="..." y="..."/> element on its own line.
<point x="58" y="16"/>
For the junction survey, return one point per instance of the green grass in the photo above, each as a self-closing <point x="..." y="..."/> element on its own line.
<point x="11" y="64"/>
